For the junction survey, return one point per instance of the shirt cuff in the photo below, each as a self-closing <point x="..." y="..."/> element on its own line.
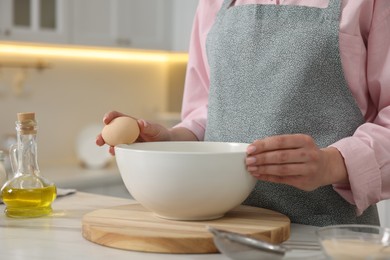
<point x="364" y="174"/>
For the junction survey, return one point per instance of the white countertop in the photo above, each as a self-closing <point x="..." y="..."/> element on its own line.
<point x="59" y="236"/>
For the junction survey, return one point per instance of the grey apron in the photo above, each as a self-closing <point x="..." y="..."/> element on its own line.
<point x="276" y="69"/>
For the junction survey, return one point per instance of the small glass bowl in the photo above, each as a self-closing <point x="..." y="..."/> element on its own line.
<point x="355" y="241"/>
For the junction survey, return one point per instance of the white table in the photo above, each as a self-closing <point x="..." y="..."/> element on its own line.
<point x="59" y="236"/>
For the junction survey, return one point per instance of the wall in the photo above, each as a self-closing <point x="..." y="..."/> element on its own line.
<point x="78" y="89"/>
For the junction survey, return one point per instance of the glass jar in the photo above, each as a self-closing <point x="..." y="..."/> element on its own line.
<point x="3" y="173"/>
<point x="27" y="194"/>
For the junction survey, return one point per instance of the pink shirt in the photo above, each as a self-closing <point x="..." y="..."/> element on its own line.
<point x="365" y="54"/>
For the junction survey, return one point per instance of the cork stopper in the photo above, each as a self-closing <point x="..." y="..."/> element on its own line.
<point x="23" y="117"/>
<point x="27" y="123"/>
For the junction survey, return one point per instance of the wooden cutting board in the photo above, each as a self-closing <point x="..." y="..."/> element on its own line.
<point x="132" y="227"/>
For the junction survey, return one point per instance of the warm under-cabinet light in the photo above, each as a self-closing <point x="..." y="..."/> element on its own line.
<point x="17" y="49"/>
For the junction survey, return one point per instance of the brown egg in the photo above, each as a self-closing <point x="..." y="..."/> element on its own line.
<point x="121" y="130"/>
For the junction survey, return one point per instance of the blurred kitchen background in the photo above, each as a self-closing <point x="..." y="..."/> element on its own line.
<point x="71" y="61"/>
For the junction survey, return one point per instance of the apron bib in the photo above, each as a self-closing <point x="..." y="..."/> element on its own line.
<point x="276" y="69"/>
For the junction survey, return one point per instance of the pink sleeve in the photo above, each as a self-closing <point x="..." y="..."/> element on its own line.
<point x="367" y="152"/>
<point x="196" y="90"/>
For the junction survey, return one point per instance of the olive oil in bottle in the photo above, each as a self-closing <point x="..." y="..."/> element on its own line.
<point x="27" y="194"/>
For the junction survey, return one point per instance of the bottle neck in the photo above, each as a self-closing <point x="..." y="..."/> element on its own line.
<point x="27" y="148"/>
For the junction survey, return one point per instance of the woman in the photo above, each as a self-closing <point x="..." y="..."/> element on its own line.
<point x="307" y="84"/>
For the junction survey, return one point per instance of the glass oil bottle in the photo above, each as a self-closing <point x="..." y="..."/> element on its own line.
<point x="27" y="194"/>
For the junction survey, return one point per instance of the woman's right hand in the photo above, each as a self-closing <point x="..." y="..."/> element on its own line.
<point x="149" y="132"/>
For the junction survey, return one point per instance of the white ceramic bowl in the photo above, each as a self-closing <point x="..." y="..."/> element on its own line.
<point x="355" y="241"/>
<point x="186" y="180"/>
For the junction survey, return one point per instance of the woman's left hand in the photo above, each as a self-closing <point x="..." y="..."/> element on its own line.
<point x="295" y="160"/>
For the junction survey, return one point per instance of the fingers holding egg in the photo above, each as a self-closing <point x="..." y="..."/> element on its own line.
<point x="109" y="116"/>
<point x="121" y="130"/>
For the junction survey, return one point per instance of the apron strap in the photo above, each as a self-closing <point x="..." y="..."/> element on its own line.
<point x="232" y="2"/>
<point x="225" y="6"/>
<point x="227" y="3"/>
<point x="333" y="11"/>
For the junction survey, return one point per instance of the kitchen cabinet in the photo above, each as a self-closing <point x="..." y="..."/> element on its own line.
<point x="183" y="16"/>
<point x="146" y="24"/>
<point x="34" y="20"/>
<point x="123" y="23"/>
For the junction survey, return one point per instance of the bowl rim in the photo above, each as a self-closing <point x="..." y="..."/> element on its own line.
<point x="135" y="147"/>
<point x="340" y="226"/>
